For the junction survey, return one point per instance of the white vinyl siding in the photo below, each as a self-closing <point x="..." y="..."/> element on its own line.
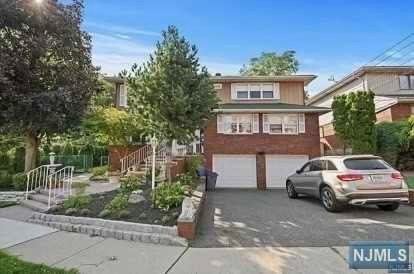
<point x="284" y="123"/>
<point x="238" y="123"/>
<point x="255" y="91"/>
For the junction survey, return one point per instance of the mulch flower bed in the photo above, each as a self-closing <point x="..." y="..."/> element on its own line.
<point x="142" y="212"/>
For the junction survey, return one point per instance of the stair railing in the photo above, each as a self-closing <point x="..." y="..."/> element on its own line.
<point x="60" y="183"/>
<point x="37" y="178"/>
<point x="135" y="158"/>
<point x="162" y="156"/>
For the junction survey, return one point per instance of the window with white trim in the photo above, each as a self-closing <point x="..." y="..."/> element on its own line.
<point x="122" y="100"/>
<point x="283" y="123"/>
<point x="255" y="91"/>
<point x="237" y="123"/>
<point x="406" y="81"/>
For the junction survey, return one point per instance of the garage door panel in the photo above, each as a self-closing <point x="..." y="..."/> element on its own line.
<point x="279" y="167"/>
<point x="235" y="171"/>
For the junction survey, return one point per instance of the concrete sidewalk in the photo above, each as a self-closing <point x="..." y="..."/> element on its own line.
<point x="99" y="255"/>
<point x="14" y="232"/>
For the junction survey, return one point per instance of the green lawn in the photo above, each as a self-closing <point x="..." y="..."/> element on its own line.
<point x="13" y="265"/>
<point x="410" y="181"/>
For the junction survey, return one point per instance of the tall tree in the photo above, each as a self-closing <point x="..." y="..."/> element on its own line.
<point x="354" y="120"/>
<point x="171" y="93"/>
<point x="46" y="73"/>
<point x="271" y="64"/>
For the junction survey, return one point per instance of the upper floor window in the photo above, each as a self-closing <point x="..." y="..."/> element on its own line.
<point x="122" y="96"/>
<point x="406" y="81"/>
<point x="238" y="123"/>
<point x="255" y="91"/>
<point x="283" y="123"/>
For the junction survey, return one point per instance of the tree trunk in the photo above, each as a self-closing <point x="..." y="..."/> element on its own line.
<point x="31" y="143"/>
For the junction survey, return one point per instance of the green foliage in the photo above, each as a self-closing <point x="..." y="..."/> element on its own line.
<point x="118" y="203"/>
<point x="112" y="126"/>
<point x="130" y="184"/>
<point x="170" y="93"/>
<point x="99" y="171"/>
<point x="186" y="180"/>
<point x="12" y="265"/>
<point x="19" y="181"/>
<point x="45" y="46"/>
<point x="410" y="181"/>
<point x="6" y="180"/>
<point x="271" y="64"/>
<point x="392" y="138"/>
<point x="354" y="121"/>
<point x="148" y="175"/>
<point x="104" y="96"/>
<point x="104" y="213"/>
<point x="192" y="164"/>
<point x="167" y="196"/>
<point x="123" y="214"/>
<point x="77" y="201"/>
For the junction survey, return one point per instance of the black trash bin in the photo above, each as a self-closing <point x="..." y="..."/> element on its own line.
<point x="211" y="180"/>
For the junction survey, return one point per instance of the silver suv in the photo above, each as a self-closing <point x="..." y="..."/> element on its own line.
<point x="355" y="179"/>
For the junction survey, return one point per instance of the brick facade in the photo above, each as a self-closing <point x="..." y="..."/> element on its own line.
<point x="261" y="144"/>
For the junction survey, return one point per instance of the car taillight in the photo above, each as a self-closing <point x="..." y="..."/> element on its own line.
<point x="397" y="175"/>
<point x="350" y="177"/>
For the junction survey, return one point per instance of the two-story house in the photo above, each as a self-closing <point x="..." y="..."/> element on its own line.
<point x="262" y="131"/>
<point x="394" y="98"/>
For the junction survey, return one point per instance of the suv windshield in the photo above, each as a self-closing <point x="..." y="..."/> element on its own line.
<point x="365" y="164"/>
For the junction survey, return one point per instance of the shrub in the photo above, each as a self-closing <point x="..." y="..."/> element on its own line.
<point x="19" y="181"/>
<point x="192" y="164"/>
<point x="99" y="171"/>
<point x="148" y="175"/>
<point x="77" y="201"/>
<point x="167" y="196"/>
<point x="130" y="184"/>
<point x="104" y="213"/>
<point x="186" y="179"/>
<point x="6" y="180"/>
<point x="123" y="214"/>
<point x="392" y="139"/>
<point x="118" y="203"/>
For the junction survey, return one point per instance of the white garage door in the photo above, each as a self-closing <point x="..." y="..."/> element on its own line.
<point x="235" y="170"/>
<point x="279" y="167"/>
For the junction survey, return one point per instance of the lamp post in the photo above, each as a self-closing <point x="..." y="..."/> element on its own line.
<point x="154" y="143"/>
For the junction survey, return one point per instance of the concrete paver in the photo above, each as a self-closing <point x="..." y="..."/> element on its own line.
<point x="13" y="232"/>
<point x="251" y="218"/>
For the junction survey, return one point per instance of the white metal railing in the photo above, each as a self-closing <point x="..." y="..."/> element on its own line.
<point x="162" y="157"/>
<point x="60" y="183"/>
<point x="135" y="158"/>
<point x="37" y="178"/>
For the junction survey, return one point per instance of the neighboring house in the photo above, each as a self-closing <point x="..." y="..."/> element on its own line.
<point x="121" y="93"/>
<point x="394" y="98"/>
<point x="262" y="131"/>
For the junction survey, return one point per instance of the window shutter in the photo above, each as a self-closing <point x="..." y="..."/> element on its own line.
<point x="255" y="123"/>
<point x="233" y="91"/>
<point x="301" y="123"/>
<point x="276" y="92"/>
<point x="266" y="128"/>
<point x="220" y="125"/>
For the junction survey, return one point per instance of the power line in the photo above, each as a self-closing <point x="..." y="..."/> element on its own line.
<point x="392" y="47"/>
<point x="394" y="53"/>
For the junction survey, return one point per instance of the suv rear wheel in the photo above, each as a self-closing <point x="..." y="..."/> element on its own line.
<point x="389" y="207"/>
<point x="329" y="201"/>
<point x="291" y="190"/>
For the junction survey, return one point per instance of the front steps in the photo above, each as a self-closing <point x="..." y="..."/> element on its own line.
<point x="38" y="201"/>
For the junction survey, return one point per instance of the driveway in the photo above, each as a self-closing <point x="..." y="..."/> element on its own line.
<point x="253" y="218"/>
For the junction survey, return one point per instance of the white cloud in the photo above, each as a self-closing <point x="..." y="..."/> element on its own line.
<point x="120" y="29"/>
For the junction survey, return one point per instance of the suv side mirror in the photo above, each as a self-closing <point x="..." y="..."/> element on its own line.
<point x="298" y="171"/>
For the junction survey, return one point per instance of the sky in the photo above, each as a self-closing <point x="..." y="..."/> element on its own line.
<point x="330" y="37"/>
